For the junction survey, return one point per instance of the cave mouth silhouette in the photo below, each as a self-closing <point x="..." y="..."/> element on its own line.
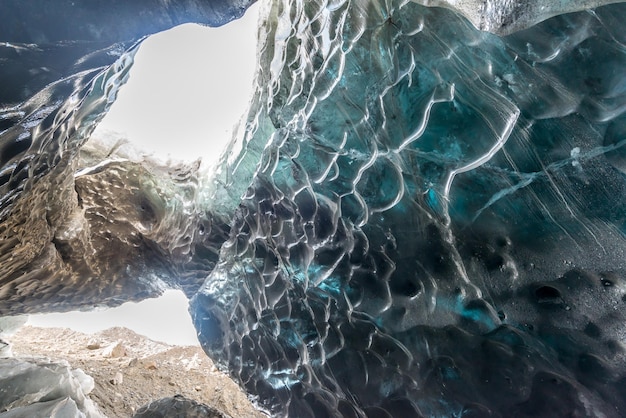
<point x="211" y="96"/>
<point x="163" y="319"/>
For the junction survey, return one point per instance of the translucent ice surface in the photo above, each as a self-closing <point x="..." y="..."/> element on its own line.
<point x="436" y="225"/>
<point x="416" y="218"/>
<point x="44" y="388"/>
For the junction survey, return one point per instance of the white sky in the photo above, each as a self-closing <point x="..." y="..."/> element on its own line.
<point x="164" y="319"/>
<point x="188" y="87"/>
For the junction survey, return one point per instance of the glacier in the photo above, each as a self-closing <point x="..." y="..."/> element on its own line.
<point x="39" y="387"/>
<point x="423" y="213"/>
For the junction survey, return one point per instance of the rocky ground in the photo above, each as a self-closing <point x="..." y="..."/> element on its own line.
<point x="130" y="370"/>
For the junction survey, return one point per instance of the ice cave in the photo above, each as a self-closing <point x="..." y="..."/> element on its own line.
<point x="423" y="213"/>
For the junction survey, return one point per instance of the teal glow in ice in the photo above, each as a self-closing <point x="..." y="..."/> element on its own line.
<point x="444" y="203"/>
<point x="418" y="218"/>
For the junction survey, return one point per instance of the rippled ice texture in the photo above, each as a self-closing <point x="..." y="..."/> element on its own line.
<point x="437" y="223"/>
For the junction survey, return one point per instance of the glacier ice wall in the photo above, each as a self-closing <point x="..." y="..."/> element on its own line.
<point x="506" y="17"/>
<point x="422" y="219"/>
<point x="436" y="225"/>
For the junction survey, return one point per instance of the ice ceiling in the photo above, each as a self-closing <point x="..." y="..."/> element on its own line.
<point x="419" y="218"/>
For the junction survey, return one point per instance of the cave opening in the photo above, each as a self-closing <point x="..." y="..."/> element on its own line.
<point x="340" y="284"/>
<point x="180" y="105"/>
<point x="187" y="93"/>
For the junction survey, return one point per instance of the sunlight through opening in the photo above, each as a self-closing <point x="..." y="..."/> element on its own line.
<point x="188" y="89"/>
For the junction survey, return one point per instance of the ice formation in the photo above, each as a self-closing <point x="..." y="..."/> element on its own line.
<point x="419" y="219"/>
<point x="44" y="388"/>
<point x="505" y="17"/>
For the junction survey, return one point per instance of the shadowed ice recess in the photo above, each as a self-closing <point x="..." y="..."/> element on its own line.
<point x="416" y="218"/>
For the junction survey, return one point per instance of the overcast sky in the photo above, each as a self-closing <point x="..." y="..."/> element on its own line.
<point x="163" y="319"/>
<point x="187" y="89"/>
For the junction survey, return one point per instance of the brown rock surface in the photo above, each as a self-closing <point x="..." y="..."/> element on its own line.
<point x="151" y="370"/>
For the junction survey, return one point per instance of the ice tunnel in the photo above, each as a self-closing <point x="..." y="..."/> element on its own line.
<point x="423" y="215"/>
